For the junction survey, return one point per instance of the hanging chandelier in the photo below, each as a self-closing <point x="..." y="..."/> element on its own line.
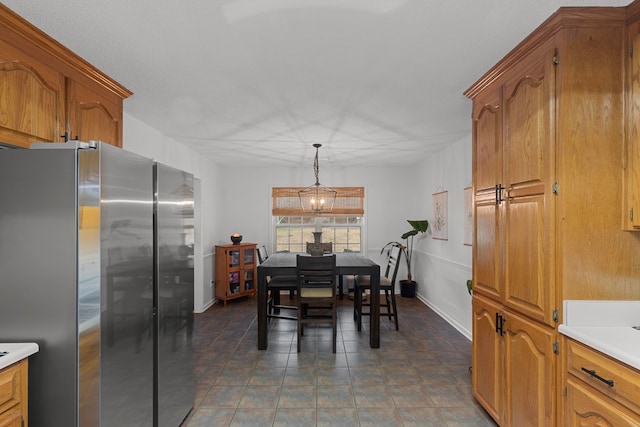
<point x="317" y="198"/>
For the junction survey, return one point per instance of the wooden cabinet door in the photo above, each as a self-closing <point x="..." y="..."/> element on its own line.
<point x="487" y="172"/>
<point x="586" y="408"/>
<point x="528" y="154"/>
<point x="13" y="394"/>
<point x="487" y="357"/>
<point x="32" y="98"/>
<point x="93" y="116"/>
<point x="12" y="417"/>
<point x="248" y="271"/>
<point x="487" y="140"/>
<point x="530" y="372"/>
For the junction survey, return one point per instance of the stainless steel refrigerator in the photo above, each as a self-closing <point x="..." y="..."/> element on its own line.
<point x="96" y="267"/>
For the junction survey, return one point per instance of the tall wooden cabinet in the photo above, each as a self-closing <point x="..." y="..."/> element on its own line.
<point x="49" y="94"/>
<point x="547" y="125"/>
<point x="236" y="271"/>
<point x="513" y="251"/>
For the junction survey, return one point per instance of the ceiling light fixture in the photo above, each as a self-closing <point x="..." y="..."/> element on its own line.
<point x="317" y="198"/>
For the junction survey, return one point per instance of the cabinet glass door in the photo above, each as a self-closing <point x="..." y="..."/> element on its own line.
<point x="248" y="256"/>
<point x="234" y="282"/>
<point x="234" y="258"/>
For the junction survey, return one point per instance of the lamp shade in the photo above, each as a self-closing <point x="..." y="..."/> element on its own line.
<point x="317" y="199"/>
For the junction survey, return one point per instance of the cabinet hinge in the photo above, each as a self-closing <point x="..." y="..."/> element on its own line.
<point x="631" y="214"/>
<point x="631" y="51"/>
<point x="499" y="198"/>
<point x="556" y="347"/>
<point x="555" y="59"/>
<point x="564" y="391"/>
<point x="556" y="315"/>
<point x="555" y="188"/>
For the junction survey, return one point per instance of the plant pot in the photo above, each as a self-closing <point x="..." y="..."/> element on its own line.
<point x="408" y="288"/>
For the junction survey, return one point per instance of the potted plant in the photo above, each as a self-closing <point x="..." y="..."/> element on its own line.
<point x="408" y="287"/>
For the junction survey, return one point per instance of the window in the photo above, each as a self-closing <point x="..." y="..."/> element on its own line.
<point x="343" y="226"/>
<point x="293" y="232"/>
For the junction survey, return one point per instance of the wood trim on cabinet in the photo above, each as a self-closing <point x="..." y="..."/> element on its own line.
<point x="33" y="41"/>
<point x="565" y="17"/>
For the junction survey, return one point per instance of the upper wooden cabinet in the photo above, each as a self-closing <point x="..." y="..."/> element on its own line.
<point x="513" y="174"/>
<point x="32" y="102"/>
<point x="92" y="116"/>
<point x="49" y="94"/>
<point x="529" y="142"/>
<point x="487" y="173"/>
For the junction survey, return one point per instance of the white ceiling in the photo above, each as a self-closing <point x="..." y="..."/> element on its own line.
<point x="257" y="82"/>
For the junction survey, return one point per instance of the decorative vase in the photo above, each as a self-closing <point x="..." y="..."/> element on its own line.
<point x="316" y="248"/>
<point x="236" y="239"/>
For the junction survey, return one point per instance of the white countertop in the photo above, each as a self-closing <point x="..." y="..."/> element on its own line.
<point x="605" y="326"/>
<point x="16" y="352"/>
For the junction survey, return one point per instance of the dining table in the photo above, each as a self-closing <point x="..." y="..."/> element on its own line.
<point x="347" y="263"/>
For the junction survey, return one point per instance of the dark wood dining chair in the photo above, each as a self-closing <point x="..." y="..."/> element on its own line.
<point x="276" y="284"/>
<point x="317" y="293"/>
<point x="387" y="284"/>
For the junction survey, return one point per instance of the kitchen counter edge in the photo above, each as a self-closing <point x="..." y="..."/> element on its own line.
<point x="16" y="352"/>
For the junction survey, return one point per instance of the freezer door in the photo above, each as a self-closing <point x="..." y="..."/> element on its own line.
<point x="174" y="224"/>
<point x="126" y="293"/>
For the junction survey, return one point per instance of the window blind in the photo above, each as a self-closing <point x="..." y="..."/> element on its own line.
<point x="349" y="201"/>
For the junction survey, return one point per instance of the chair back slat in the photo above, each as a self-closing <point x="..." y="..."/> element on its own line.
<point x="362" y="283"/>
<point x="395" y="253"/>
<point x="262" y="254"/>
<point x="316" y="271"/>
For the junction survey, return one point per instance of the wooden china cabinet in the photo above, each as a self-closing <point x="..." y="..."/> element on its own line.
<point x="49" y="93"/>
<point x="547" y="124"/>
<point x="236" y="271"/>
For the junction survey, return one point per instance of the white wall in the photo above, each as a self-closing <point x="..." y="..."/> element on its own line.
<point x="442" y="267"/>
<point x="142" y="139"/>
<point x="389" y="197"/>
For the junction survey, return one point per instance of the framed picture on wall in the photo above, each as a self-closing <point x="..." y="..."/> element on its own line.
<point x="440" y="216"/>
<point x="468" y="217"/>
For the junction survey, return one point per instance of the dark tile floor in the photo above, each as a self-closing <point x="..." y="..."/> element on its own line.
<point x="418" y="377"/>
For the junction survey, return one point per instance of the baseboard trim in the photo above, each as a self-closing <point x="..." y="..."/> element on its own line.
<point x="464" y="331"/>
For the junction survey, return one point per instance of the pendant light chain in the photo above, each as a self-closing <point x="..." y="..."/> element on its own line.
<point x="317" y="199"/>
<point x="316" y="164"/>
